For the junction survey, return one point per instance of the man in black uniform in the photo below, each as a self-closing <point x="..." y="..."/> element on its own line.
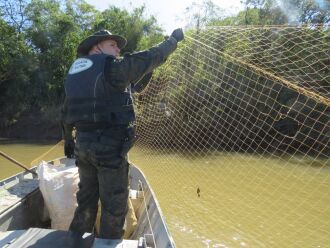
<point x="99" y="105"/>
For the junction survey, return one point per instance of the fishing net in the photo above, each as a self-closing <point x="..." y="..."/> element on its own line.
<point x="234" y="137"/>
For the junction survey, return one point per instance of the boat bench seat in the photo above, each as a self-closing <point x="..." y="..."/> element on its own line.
<point x="41" y="238"/>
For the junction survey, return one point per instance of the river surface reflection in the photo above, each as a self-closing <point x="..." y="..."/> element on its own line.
<point x="244" y="200"/>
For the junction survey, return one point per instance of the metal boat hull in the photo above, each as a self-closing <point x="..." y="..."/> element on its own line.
<point x="28" y="209"/>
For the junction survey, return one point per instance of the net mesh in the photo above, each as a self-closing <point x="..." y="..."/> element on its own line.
<point x="234" y="137"/>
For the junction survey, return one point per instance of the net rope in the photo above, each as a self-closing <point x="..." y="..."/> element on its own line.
<point x="234" y="137"/>
<point x="51" y="153"/>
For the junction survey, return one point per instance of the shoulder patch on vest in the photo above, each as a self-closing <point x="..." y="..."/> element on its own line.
<point x="80" y="65"/>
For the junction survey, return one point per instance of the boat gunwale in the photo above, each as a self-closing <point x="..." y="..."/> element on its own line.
<point x="138" y="174"/>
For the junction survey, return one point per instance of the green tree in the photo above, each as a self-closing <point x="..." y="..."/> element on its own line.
<point x="296" y="11"/>
<point x="311" y="11"/>
<point x="262" y="12"/>
<point x="198" y="15"/>
<point x="39" y="39"/>
<point x="53" y="35"/>
<point x="252" y="16"/>
<point x="17" y="63"/>
<point x="134" y="26"/>
<point x="13" y="12"/>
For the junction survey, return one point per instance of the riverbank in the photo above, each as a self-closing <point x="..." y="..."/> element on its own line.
<point x="34" y="125"/>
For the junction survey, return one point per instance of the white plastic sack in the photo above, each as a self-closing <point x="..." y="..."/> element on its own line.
<point x="59" y="185"/>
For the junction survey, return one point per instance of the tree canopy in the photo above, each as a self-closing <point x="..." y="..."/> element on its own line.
<point x="38" y="44"/>
<point x="39" y="39"/>
<point x="261" y="12"/>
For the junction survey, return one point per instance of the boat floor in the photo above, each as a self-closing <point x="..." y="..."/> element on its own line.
<point x="16" y="189"/>
<point x="40" y="238"/>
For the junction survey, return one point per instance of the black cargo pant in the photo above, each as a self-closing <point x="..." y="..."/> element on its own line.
<point x="101" y="157"/>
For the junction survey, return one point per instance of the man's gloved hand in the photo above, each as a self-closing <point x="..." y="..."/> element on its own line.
<point x="69" y="148"/>
<point x="178" y="34"/>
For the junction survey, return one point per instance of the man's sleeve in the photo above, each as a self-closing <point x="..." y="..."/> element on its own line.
<point x="66" y="128"/>
<point x="142" y="83"/>
<point x="129" y="69"/>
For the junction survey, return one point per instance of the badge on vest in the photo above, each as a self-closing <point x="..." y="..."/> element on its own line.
<point x="80" y="65"/>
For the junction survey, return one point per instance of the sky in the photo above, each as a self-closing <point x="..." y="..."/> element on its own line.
<point x="169" y="13"/>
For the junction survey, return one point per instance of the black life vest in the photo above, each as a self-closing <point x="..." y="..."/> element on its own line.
<point x="91" y="99"/>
